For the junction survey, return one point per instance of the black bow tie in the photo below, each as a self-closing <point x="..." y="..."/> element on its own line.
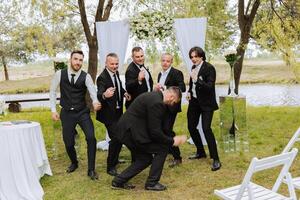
<point x="194" y="66"/>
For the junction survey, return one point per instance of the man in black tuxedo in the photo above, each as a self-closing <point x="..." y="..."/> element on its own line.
<point x="137" y="76"/>
<point x="74" y="84"/>
<point x="110" y="94"/>
<point x="169" y="76"/>
<point x="140" y="129"/>
<point x="202" y="101"/>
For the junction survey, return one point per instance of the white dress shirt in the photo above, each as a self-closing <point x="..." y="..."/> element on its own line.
<point x="118" y="82"/>
<point x="56" y="81"/>
<point x="194" y="74"/>
<point x="147" y="76"/>
<point x="163" y="76"/>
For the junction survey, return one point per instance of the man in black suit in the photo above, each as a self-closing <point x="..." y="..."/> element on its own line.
<point x="74" y="84"/>
<point x="140" y="129"/>
<point x="169" y="76"/>
<point x="137" y="76"/>
<point x="110" y="94"/>
<point x="202" y="101"/>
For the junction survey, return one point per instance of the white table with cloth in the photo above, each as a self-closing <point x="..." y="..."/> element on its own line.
<point x="23" y="160"/>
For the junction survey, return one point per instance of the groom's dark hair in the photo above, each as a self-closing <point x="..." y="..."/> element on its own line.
<point x="199" y="52"/>
<point x="136" y="49"/>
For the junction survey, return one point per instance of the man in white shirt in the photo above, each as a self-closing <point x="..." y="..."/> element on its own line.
<point x="74" y="83"/>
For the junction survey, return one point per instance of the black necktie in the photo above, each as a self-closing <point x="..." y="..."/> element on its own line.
<point x="72" y="79"/>
<point x="117" y="88"/>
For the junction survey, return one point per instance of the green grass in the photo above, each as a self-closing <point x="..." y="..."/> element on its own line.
<point x="269" y="130"/>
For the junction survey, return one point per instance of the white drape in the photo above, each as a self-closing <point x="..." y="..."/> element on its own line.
<point x="112" y="37"/>
<point x="190" y="32"/>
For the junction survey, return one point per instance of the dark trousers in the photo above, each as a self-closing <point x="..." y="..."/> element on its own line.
<point x="168" y="124"/>
<point x="69" y="120"/>
<point x="193" y="115"/>
<point x="114" y="145"/>
<point x="145" y="154"/>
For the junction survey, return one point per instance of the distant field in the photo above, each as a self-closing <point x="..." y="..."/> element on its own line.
<point x="36" y="77"/>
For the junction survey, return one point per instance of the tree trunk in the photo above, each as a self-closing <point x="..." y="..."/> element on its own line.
<point x="245" y="19"/>
<point x="5" y="68"/>
<point x="93" y="58"/>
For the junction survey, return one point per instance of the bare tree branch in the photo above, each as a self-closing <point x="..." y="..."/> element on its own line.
<point x="248" y="7"/>
<point x="107" y="10"/>
<point x="241" y="16"/>
<point x="99" y="11"/>
<point x="84" y="21"/>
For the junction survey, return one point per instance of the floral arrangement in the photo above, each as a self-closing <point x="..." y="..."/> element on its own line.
<point x="151" y="25"/>
<point x="231" y="57"/>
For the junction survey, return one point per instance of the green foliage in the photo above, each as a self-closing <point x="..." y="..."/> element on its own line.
<point x="277" y="28"/>
<point x="59" y="66"/>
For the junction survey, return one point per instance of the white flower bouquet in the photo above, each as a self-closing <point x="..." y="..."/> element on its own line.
<point x="151" y="25"/>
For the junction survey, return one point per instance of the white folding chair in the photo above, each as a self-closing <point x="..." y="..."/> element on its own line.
<point x="249" y="190"/>
<point x="289" y="146"/>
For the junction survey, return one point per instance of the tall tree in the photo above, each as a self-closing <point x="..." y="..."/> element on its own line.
<point x="102" y="14"/>
<point x="246" y="17"/>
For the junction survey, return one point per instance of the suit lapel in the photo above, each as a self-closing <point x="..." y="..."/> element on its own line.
<point x="159" y="75"/>
<point x="108" y="78"/>
<point x="169" y="76"/>
<point x="202" y="68"/>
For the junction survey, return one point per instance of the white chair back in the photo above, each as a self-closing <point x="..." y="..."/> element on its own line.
<point x="292" y="141"/>
<point x="285" y="160"/>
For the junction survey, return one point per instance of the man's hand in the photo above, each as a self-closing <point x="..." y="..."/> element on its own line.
<point x="157" y="87"/>
<point x="127" y="96"/>
<point x="55" y="116"/>
<point x="97" y="106"/>
<point x="141" y="75"/>
<point x="109" y="92"/>
<point x="188" y="96"/>
<point x="179" y="139"/>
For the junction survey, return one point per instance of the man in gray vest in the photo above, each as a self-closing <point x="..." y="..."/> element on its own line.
<point x="74" y="84"/>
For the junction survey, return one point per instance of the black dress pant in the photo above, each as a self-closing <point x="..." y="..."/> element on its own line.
<point x="168" y="124"/>
<point x="114" y="145"/>
<point x="193" y="115"/>
<point x="153" y="154"/>
<point x="69" y="120"/>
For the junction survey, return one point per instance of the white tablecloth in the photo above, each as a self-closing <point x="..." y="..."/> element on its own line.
<point x="23" y="161"/>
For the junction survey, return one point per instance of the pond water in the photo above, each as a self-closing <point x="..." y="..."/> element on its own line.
<point x="256" y="95"/>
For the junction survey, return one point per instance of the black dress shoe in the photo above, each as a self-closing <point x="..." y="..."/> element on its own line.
<point x="175" y="163"/>
<point x="216" y="165"/>
<point x="197" y="156"/>
<point x="156" y="187"/>
<point x="126" y="186"/>
<point x="72" y="168"/>
<point x="112" y="172"/>
<point x="92" y="174"/>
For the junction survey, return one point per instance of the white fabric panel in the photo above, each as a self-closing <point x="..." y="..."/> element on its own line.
<point x="112" y="37"/>
<point x="189" y="32"/>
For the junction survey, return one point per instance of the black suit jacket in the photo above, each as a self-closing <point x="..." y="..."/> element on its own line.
<point x="205" y="88"/>
<point x="132" y="84"/>
<point x="143" y="121"/>
<point x="174" y="78"/>
<point x="106" y="114"/>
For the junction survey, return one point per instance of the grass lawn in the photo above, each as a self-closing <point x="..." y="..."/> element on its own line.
<point x="269" y="129"/>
